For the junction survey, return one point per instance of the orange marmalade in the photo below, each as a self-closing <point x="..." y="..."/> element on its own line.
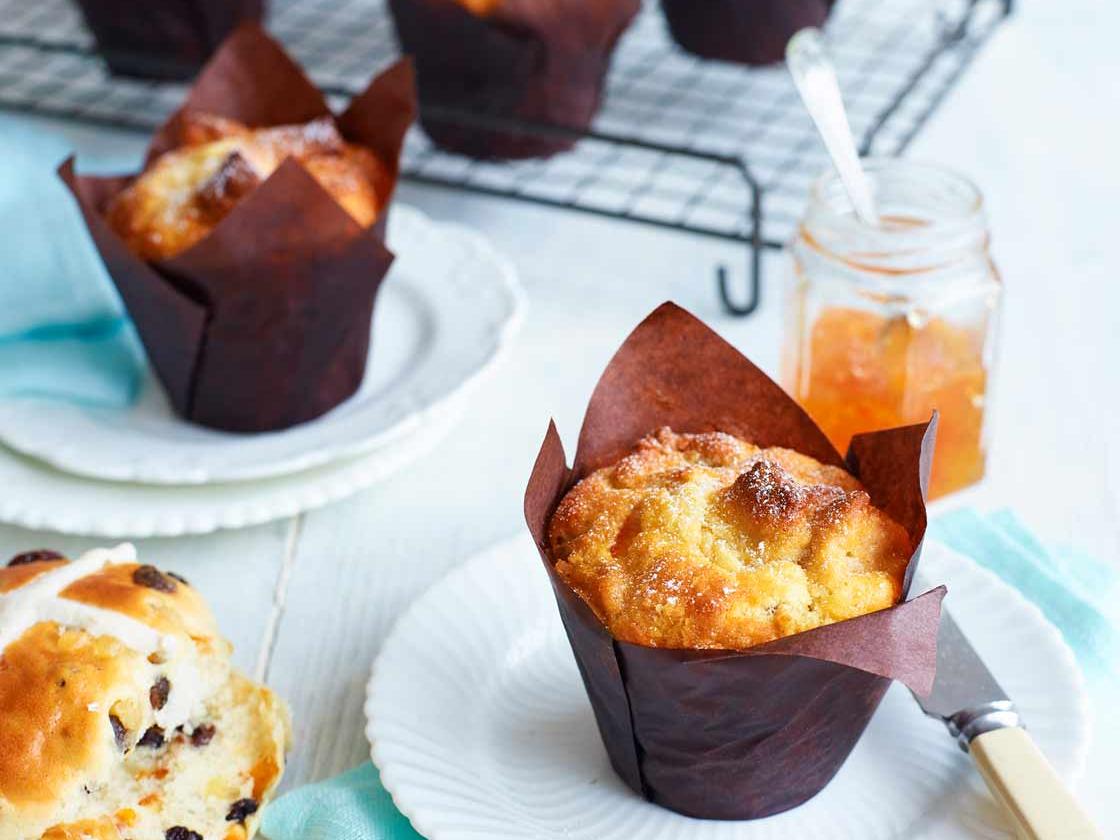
<point x="885" y="325"/>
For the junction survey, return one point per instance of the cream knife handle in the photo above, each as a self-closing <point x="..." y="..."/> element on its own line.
<point x="1024" y="783"/>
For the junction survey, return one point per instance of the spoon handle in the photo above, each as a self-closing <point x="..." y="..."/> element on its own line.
<point x="815" y="79"/>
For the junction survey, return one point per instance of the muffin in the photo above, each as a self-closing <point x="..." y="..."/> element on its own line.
<point x="735" y="592"/>
<point x="744" y="31"/>
<point x="250" y="250"/>
<point x="529" y="61"/>
<point x="121" y="717"/>
<point x="707" y="541"/>
<point x="171" y="39"/>
<point x="187" y="191"/>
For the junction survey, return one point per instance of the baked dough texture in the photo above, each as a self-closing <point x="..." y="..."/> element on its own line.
<point x="121" y="717"/>
<point x="482" y="8"/>
<point x="187" y="191"/>
<point x="707" y="541"/>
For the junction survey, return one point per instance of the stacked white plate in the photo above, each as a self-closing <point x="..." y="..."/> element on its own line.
<point x="444" y="316"/>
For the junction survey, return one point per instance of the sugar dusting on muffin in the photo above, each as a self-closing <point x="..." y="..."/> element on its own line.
<point x="707" y="541"/>
<point x="120" y="713"/>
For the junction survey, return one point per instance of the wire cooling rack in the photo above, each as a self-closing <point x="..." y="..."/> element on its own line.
<point x="705" y="147"/>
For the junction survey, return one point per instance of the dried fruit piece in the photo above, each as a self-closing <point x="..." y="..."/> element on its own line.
<point x="178" y="832"/>
<point x="203" y="734"/>
<point x="157" y="694"/>
<point x="36" y="556"/>
<point x="234" y="180"/>
<point x="241" y="809"/>
<point x="153" y="738"/>
<point x="120" y="734"/>
<point x="153" y="578"/>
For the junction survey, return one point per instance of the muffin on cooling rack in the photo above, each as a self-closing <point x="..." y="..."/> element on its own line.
<point x="121" y="716"/>
<point x="511" y="62"/>
<point x="708" y="541"/>
<point x="169" y="39"/>
<point x="734" y="591"/>
<point x="250" y="249"/>
<point x="745" y="31"/>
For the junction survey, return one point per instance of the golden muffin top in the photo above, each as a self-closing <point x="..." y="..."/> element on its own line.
<point x="707" y="541"/>
<point x="479" y="7"/>
<point x="187" y="191"/>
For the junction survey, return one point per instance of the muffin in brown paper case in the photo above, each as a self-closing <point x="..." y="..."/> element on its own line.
<point x="735" y="734"/>
<point x="533" y="61"/>
<point x="264" y="322"/>
<point x="745" y="31"/>
<point x="167" y="39"/>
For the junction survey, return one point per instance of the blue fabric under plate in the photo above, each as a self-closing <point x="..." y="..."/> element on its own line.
<point x="64" y="334"/>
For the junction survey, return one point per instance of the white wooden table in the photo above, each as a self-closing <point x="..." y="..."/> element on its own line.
<point x="307" y="601"/>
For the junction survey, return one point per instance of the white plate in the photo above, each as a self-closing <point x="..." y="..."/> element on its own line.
<point x="446" y="310"/>
<point x="42" y="498"/>
<point x="480" y="726"/>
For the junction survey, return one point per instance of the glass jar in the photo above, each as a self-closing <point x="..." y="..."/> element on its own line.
<point x="886" y="324"/>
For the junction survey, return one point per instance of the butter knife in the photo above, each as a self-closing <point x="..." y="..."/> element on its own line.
<point x="980" y="715"/>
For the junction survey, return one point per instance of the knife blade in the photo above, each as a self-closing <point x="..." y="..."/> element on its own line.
<point x="965" y="695"/>
<point x="986" y="724"/>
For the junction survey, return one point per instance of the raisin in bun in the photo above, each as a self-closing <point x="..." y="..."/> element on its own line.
<point x="121" y="717"/>
<point x="186" y="192"/>
<point x="707" y="541"/>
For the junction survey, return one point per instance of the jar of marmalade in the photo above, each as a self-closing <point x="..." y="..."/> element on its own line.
<point x="886" y="324"/>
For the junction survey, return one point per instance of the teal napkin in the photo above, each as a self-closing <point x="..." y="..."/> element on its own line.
<point x="1074" y="591"/>
<point x="353" y="806"/>
<point x="63" y="331"/>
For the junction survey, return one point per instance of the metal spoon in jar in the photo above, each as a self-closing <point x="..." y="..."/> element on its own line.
<point x="815" y="79"/>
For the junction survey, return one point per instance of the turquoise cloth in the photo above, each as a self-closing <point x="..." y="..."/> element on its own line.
<point x="63" y="331"/>
<point x="1077" y="593"/>
<point x="1074" y="592"/>
<point x="353" y="806"/>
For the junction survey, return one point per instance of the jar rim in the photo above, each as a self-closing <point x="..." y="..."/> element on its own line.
<point x="939" y="218"/>
<point x="875" y="167"/>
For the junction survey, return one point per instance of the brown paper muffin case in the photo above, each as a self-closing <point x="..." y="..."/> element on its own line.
<point x="168" y="39"/>
<point x="743" y="31"/>
<point x="532" y="61"/>
<point x="265" y="322"/>
<point x="735" y="734"/>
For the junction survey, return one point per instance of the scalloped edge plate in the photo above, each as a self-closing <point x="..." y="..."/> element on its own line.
<point x="46" y="499"/>
<point x="480" y="725"/>
<point x="449" y="307"/>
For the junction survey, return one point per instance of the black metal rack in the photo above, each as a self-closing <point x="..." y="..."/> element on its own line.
<point x="703" y="147"/>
